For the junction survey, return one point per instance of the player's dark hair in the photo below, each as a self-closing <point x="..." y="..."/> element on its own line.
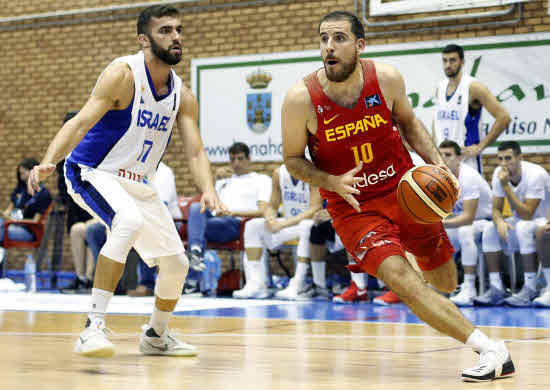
<point x="452" y="48"/>
<point x="28" y="163"/>
<point x="510" y="145"/>
<point x="450" y="144"/>
<point x="156" y="11"/>
<point x="239" y="147"/>
<point x="356" y="26"/>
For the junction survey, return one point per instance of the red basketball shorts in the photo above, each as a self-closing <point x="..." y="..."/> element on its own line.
<point x="382" y="230"/>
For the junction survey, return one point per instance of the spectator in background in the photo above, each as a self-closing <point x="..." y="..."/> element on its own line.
<point x="245" y="193"/>
<point x="543" y="255"/>
<point x="470" y="216"/>
<point x="299" y="204"/>
<point x="459" y="99"/>
<point x="23" y="206"/>
<point x="165" y="184"/>
<point x="526" y="187"/>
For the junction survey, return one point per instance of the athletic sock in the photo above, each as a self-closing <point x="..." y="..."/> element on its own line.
<point x="318" y="271"/>
<point x="495" y="280"/>
<point x="159" y="320"/>
<point x="470" y="281"/>
<point x="531" y="280"/>
<point x="100" y="301"/>
<point x="301" y="273"/>
<point x="479" y="341"/>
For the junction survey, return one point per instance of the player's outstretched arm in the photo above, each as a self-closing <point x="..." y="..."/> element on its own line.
<point x="194" y="150"/>
<point x="115" y="82"/>
<point x="481" y="93"/>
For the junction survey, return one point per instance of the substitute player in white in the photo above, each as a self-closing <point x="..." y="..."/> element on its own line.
<point x="116" y="143"/>
<point x="300" y="203"/>
<point x="526" y="186"/>
<point x="471" y="214"/>
<point x="459" y="100"/>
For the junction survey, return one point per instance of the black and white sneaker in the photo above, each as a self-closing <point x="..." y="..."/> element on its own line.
<point x="493" y="364"/>
<point x="150" y="343"/>
<point x="196" y="260"/>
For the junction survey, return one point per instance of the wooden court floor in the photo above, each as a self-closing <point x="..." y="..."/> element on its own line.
<point x="243" y="353"/>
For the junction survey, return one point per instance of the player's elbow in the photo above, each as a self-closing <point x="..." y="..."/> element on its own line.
<point x="505" y="118"/>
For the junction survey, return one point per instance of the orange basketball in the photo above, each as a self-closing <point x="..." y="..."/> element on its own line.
<point x="427" y="193"/>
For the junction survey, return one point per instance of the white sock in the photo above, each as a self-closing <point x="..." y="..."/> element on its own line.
<point x="546" y="272"/>
<point x="359" y="280"/>
<point x="531" y="280"/>
<point x="318" y="271"/>
<point x="479" y="341"/>
<point x="495" y="280"/>
<point x="470" y="281"/>
<point x="256" y="270"/>
<point x="301" y="273"/>
<point x="100" y="301"/>
<point x="159" y="320"/>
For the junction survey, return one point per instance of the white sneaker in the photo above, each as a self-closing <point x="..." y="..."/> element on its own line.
<point x="544" y="299"/>
<point x="465" y="297"/>
<point x="94" y="341"/>
<point x="290" y="293"/>
<point x="150" y="343"/>
<point x="493" y="364"/>
<point x="251" y="291"/>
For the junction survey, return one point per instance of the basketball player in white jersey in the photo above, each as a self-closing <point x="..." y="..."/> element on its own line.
<point x="114" y="145"/>
<point x="471" y="213"/>
<point x="526" y="186"/>
<point x="300" y="203"/>
<point x="459" y="100"/>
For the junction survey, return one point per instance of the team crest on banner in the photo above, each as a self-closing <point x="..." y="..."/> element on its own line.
<point x="258" y="104"/>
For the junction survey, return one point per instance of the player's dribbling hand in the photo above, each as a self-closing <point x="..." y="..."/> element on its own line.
<point x="211" y="201"/>
<point x="37" y="174"/>
<point x="343" y="186"/>
<point x="453" y="177"/>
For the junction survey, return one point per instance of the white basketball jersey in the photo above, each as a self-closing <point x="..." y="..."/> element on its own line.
<point x="295" y="194"/>
<point x="474" y="186"/>
<point x="131" y="142"/>
<point x="453" y="120"/>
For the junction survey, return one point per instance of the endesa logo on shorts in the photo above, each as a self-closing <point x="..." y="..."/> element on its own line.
<point x="373" y="178"/>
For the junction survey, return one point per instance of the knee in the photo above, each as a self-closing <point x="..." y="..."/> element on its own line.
<point x="525" y="230"/>
<point x="78" y="230"/>
<point x="400" y="277"/>
<point x="466" y="233"/>
<point x="95" y="232"/>
<point x="444" y="278"/>
<point x="253" y="228"/>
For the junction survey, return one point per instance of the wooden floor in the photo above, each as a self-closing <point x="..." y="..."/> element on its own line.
<point x="242" y="353"/>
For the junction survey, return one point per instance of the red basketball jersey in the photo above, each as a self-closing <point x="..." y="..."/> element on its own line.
<point x="347" y="136"/>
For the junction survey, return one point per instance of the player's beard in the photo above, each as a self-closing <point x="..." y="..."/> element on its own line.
<point x="163" y="54"/>
<point x="450" y="74"/>
<point x="342" y="75"/>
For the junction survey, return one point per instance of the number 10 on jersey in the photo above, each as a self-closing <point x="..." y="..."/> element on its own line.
<point x="362" y="153"/>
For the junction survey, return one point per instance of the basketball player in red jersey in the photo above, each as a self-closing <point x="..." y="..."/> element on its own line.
<point x="344" y="112"/>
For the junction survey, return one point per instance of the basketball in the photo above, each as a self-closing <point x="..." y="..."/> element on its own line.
<point x="427" y="194"/>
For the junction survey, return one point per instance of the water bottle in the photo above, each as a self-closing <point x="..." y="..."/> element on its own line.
<point x="211" y="274"/>
<point x="30" y="274"/>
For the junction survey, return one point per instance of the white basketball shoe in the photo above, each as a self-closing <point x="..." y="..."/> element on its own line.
<point x="150" y="343"/>
<point x="493" y="364"/>
<point x="94" y="341"/>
